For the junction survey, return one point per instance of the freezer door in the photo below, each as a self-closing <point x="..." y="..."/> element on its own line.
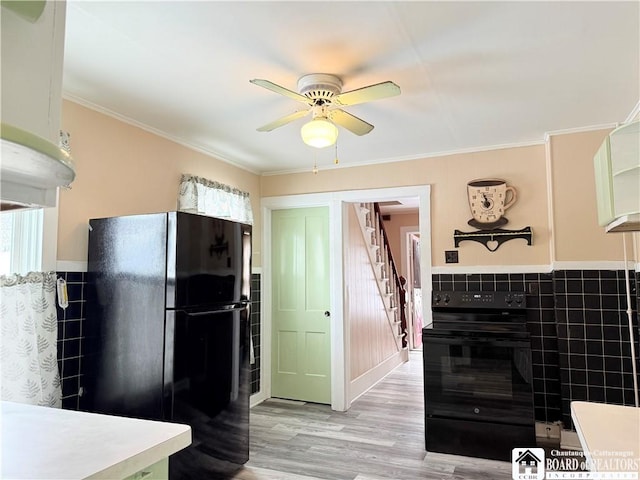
<point x="212" y="261"/>
<point x="125" y="315"/>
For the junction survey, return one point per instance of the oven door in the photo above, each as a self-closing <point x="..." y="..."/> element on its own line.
<point x="479" y="378"/>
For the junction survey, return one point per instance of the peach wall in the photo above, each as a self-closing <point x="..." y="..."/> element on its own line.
<point x="577" y="235"/>
<point x="122" y="169"/>
<point x="371" y="337"/>
<point x="522" y="167"/>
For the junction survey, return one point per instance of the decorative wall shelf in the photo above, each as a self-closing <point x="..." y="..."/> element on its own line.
<point x="492" y="239"/>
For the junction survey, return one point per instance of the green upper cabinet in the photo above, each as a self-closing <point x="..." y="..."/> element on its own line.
<point x="30" y="10"/>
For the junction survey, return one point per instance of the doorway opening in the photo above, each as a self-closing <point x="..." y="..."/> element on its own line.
<point x="343" y="391"/>
<point x="402" y="221"/>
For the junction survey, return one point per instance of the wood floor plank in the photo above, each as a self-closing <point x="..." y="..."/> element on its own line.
<point x="381" y="437"/>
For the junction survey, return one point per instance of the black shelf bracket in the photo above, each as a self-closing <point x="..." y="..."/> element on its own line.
<point x="492" y="239"/>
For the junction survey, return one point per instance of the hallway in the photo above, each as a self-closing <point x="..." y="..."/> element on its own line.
<point x="380" y="437"/>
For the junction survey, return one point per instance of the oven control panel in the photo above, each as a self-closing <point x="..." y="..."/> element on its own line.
<point x="475" y="300"/>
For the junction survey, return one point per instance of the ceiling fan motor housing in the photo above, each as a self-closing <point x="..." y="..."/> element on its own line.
<point x="319" y="87"/>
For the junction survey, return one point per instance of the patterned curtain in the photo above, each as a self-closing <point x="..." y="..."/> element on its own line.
<point x="28" y="339"/>
<point x="206" y="197"/>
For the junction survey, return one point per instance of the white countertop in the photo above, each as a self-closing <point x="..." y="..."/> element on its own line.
<point x="609" y="434"/>
<point x="51" y="443"/>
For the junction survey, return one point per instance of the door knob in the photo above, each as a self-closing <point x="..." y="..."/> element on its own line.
<point x="327" y="313"/>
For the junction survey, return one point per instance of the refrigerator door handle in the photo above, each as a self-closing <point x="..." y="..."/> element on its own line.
<point x="222" y="308"/>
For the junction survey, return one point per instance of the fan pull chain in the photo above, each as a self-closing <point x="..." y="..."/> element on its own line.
<point x="315" y="162"/>
<point x="336" y="161"/>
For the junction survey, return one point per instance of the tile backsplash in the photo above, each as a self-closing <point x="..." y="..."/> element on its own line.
<point x="579" y="335"/>
<point x="540" y="322"/>
<point x="577" y="320"/>
<point x="70" y="337"/>
<point x="255" y="332"/>
<point x="593" y="337"/>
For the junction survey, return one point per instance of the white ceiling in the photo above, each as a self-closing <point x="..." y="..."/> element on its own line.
<point x="473" y="75"/>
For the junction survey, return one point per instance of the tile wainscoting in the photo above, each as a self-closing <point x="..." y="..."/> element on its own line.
<point x="593" y="337"/>
<point x="579" y="337"/>
<point x="540" y="322"/>
<point x="255" y="332"/>
<point x="70" y="337"/>
<point x="578" y="326"/>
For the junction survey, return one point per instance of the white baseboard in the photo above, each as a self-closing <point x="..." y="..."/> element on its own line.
<point x="364" y="382"/>
<point x="257" y="398"/>
<point x="569" y="440"/>
<point x="548" y="432"/>
<point x="553" y="432"/>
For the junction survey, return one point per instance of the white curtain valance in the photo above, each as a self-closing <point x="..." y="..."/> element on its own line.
<point x="206" y="197"/>
<point x="29" y="334"/>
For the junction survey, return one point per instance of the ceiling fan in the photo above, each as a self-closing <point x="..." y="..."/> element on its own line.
<point x="322" y="93"/>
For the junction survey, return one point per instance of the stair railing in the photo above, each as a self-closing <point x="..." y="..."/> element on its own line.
<point x="397" y="282"/>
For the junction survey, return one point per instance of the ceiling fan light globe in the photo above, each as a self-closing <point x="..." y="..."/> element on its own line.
<point x="319" y="133"/>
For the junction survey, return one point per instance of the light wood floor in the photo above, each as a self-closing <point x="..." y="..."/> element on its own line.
<point x="380" y="437"/>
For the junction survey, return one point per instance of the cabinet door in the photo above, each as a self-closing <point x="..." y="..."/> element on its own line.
<point x="604" y="188"/>
<point x="157" y="471"/>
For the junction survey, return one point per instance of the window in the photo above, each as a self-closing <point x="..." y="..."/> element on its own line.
<point x="21" y="234"/>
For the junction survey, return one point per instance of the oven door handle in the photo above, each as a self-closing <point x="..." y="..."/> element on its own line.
<point x="451" y="340"/>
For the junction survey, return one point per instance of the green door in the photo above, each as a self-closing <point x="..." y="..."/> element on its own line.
<point x="301" y="348"/>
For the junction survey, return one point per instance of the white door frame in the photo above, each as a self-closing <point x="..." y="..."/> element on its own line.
<point x="339" y="330"/>
<point x="406" y="259"/>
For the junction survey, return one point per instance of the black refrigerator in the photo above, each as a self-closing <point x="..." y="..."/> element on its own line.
<point x="167" y="331"/>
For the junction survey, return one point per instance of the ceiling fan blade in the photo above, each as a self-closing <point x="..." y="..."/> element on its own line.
<point x="351" y="122"/>
<point x="368" y="94"/>
<point x="283" y="121"/>
<point x="281" y="90"/>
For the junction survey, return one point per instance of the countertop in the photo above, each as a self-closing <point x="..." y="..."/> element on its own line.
<point x="609" y="435"/>
<point x="51" y="443"/>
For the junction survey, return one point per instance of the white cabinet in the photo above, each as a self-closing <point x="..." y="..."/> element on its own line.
<point x="33" y="165"/>
<point x="617" y="176"/>
<point x="32" y="58"/>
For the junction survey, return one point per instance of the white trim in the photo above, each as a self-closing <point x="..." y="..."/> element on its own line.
<point x="408" y="158"/>
<point x="71" y="266"/>
<point x="81" y="266"/>
<point x="566" y="265"/>
<point x="257" y="398"/>
<point x="406" y="234"/>
<point x="367" y="380"/>
<point x="50" y="235"/>
<point x="548" y="165"/>
<point x="335" y="201"/>
<point x="633" y="114"/>
<point x="404" y="246"/>
<point x="493" y="269"/>
<point x="191" y="146"/>
<point x="591" y="128"/>
<point x="595" y="265"/>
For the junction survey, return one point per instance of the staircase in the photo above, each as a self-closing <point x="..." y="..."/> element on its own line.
<point x="390" y="283"/>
